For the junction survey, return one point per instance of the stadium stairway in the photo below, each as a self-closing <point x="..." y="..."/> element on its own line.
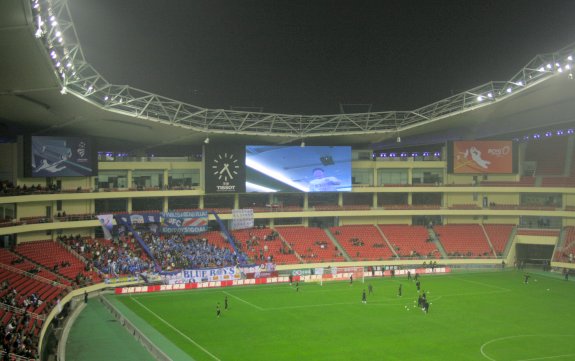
<point x="72" y="251"/>
<point x="387" y="241"/>
<point x="561" y="241"/>
<point x="438" y="244"/>
<point x="286" y="243"/>
<point x="560" y="245"/>
<point x="338" y="245"/>
<point x="488" y="240"/>
<point x="510" y="242"/>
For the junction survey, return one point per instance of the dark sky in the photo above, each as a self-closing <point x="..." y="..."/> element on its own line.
<point x="307" y="57"/>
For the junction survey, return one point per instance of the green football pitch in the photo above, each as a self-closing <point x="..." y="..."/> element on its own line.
<point x="472" y="316"/>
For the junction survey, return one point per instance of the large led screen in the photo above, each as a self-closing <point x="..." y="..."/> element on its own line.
<point x="482" y="157"/>
<point x="298" y="169"/>
<point x="61" y="157"/>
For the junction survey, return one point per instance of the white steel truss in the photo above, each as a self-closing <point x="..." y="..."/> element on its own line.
<point x="53" y="26"/>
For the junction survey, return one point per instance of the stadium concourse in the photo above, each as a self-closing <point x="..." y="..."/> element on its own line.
<point x="106" y="188"/>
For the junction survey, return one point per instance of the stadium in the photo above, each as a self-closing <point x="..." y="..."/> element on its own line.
<point x="135" y="226"/>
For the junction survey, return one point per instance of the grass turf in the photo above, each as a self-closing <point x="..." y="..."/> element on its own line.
<point x="472" y="316"/>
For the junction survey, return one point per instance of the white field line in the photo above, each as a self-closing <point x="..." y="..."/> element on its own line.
<point x="178" y="331"/>
<point x="244" y="301"/>
<point x="480" y="283"/>
<point x="547" y="357"/>
<point x="474" y="293"/>
<point x="519" y="336"/>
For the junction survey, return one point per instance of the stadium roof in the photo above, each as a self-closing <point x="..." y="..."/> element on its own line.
<point x="33" y="73"/>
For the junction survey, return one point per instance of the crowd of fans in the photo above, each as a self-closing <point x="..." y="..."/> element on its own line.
<point x="18" y="336"/>
<point x="120" y="256"/>
<point x="179" y="252"/>
<point x="124" y="256"/>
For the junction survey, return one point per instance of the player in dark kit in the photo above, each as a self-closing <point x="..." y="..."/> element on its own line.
<point x="363" y="297"/>
<point x="425" y="306"/>
<point x="226" y="303"/>
<point x="218" y="310"/>
<point x="526" y="280"/>
<point x="297" y="286"/>
<point x="370" y="289"/>
<point x="351" y="279"/>
<point x="399" y="291"/>
<point x="409" y="275"/>
<point x="418" y="285"/>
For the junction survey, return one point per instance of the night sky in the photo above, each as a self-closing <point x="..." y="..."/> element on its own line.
<point x="308" y="57"/>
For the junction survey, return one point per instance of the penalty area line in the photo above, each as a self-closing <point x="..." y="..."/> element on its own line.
<point x="178" y="331"/>
<point x="244" y="301"/>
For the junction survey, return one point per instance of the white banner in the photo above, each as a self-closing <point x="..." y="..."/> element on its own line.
<point x="242" y="218"/>
<point x="106" y="220"/>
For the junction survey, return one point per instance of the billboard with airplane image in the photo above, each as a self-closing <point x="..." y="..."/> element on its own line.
<point x="60" y="157"/>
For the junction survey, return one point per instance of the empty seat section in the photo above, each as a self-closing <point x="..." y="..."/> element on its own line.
<point x="51" y="255"/>
<point x="311" y="244"/>
<point x="410" y="241"/>
<point x="567" y="251"/>
<point x="499" y="235"/>
<point x="362" y="242"/>
<point x="549" y="155"/>
<point x="259" y="244"/>
<point x="463" y="240"/>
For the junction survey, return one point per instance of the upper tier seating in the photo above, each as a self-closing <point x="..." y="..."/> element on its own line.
<point x="549" y="154"/>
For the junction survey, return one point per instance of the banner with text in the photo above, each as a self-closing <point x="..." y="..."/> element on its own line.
<point x="193" y="222"/>
<point x="204" y="275"/>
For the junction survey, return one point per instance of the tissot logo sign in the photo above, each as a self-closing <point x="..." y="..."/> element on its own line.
<point x="225" y="170"/>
